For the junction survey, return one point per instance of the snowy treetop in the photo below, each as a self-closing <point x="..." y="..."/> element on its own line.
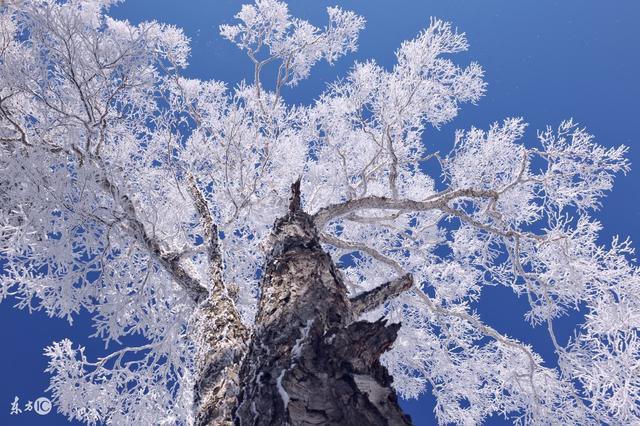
<point x="103" y="144"/>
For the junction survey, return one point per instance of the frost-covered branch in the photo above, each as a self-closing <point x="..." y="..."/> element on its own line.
<point x="100" y="135"/>
<point x="170" y="261"/>
<point x="326" y="214"/>
<point x="350" y="245"/>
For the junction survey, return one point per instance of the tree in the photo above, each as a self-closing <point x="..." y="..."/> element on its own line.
<point x="148" y="200"/>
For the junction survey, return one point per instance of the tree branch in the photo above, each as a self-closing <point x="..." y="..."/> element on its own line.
<point x="217" y="329"/>
<point x="210" y="229"/>
<point x="371" y="299"/>
<point x="326" y="214"/>
<point x="170" y="262"/>
<point x="294" y="202"/>
<point x="487" y="331"/>
<point x="350" y="245"/>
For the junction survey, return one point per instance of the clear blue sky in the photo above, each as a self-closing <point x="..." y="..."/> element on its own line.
<point x="544" y="60"/>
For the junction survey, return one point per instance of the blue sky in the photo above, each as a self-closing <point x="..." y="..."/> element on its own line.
<point x="544" y="60"/>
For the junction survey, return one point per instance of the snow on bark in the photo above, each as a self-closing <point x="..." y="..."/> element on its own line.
<point x="221" y="338"/>
<point x="218" y="332"/>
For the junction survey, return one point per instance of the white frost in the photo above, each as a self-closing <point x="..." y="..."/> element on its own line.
<point x="281" y="390"/>
<point x="304" y="333"/>
<point x="118" y="238"/>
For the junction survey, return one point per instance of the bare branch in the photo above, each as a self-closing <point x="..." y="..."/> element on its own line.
<point x="371" y="299"/>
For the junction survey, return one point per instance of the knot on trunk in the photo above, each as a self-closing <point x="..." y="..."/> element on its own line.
<point x="294" y="201"/>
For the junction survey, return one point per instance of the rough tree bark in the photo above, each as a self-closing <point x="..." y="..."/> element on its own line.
<point x="219" y="334"/>
<point x="309" y="361"/>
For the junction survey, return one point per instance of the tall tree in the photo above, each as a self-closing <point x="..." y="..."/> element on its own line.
<point x="164" y="208"/>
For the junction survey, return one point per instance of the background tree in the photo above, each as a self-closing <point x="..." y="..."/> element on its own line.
<point x="136" y="194"/>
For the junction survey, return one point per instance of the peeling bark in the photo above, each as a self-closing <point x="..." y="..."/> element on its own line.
<point x="308" y="362"/>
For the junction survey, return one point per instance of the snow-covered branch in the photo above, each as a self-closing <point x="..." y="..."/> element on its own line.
<point x="326" y="214"/>
<point x="121" y="180"/>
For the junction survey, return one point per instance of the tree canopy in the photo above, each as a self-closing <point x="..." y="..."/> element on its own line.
<point x="114" y="167"/>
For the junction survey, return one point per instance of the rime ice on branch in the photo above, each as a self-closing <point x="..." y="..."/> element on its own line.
<point x="148" y="200"/>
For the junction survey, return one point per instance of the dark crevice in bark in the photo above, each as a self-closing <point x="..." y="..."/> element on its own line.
<point x="308" y="362"/>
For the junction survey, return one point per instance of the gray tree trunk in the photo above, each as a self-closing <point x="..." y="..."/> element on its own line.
<point x="219" y="335"/>
<point x="308" y="360"/>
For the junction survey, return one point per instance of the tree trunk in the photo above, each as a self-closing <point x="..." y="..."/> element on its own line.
<point x="218" y="333"/>
<point x="308" y="361"/>
<point x="222" y="341"/>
